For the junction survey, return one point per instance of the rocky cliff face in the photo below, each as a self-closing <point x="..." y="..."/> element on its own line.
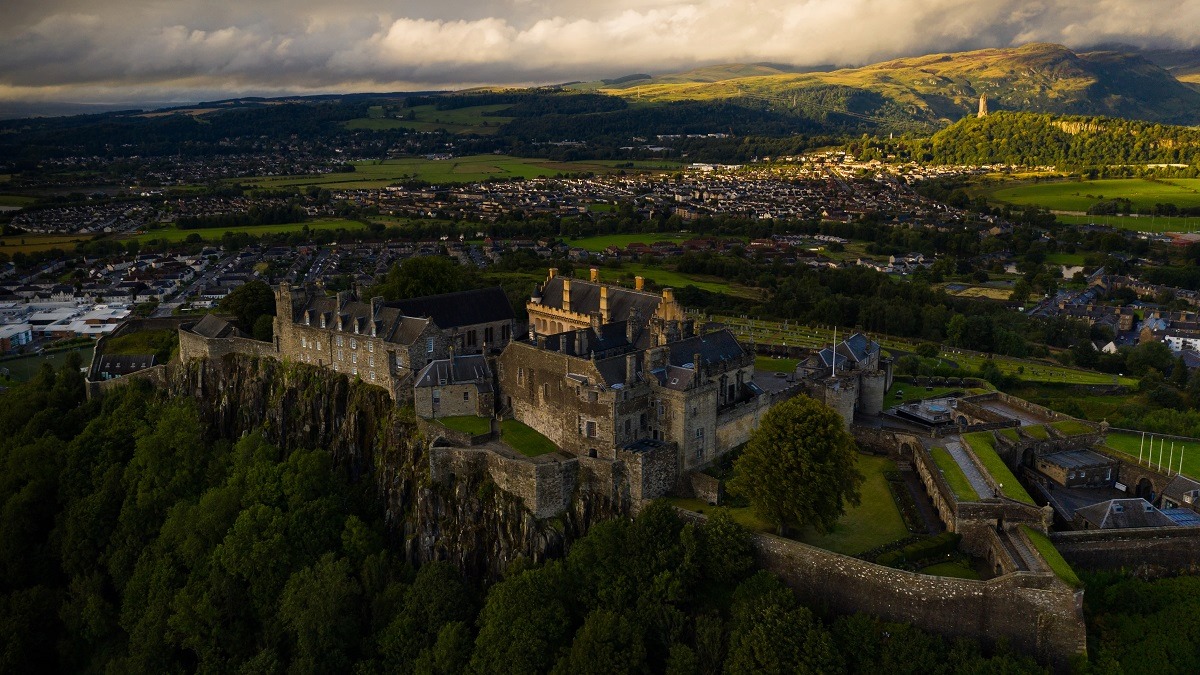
<point x="466" y="520"/>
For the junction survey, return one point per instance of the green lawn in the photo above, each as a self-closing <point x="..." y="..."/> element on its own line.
<point x="1081" y="195"/>
<point x="982" y="443"/>
<point x="954" y="568"/>
<point x="873" y="523"/>
<point x="773" y="365"/>
<point x="16" y="200"/>
<point x="468" y="424"/>
<point x="954" y="475"/>
<point x="1036" y="431"/>
<point x="524" y="439"/>
<point x="1069" y="259"/>
<point x="26" y="367"/>
<point x="742" y="516"/>
<point x="143" y="342"/>
<point x="470" y="120"/>
<point x="1052" y="557"/>
<point x="1128" y="444"/>
<point x="1072" y="427"/>
<point x="32" y="243"/>
<point x="173" y="234"/>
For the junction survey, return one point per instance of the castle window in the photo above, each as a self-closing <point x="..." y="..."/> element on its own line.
<point x="353" y="343"/>
<point x="371" y="360"/>
<point x="489" y="335"/>
<point x="466" y="396"/>
<point x="372" y="376"/>
<point x="471" y="338"/>
<point x="340" y="357"/>
<point x="504" y="332"/>
<point x="353" y="357"/>
<point x="546" y="390"/>
<point x="339" y="340"/>
<point x="429" y="345"/>
<point x="303" y="342"/>
<point x="371" y="347"/>
<point x="591" y="429"/>
<point x="437" y="396"/>
<point x="627" y="427"/>
<point x="356" y="372"/>
<point x="520" y="375"/>
<point x="322" y="321"/>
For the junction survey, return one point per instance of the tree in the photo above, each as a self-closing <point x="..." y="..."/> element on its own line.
<point x="424" y="275"/>
<point x="799" y="467"/>
<point x="607" y="643"/>
<point x="248" y="302"/>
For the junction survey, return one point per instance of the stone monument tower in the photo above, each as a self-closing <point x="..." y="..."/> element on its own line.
<point x="983" y="105"/>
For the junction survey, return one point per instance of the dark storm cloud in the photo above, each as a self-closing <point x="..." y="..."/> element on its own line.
<point x="76" y="49"/>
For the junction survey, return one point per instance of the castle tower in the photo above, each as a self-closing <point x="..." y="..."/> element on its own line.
<point x="983" y="110"/>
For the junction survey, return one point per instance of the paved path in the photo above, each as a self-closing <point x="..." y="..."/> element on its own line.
<point x="974" y="477"/>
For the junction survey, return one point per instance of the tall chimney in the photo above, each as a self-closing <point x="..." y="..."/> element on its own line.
<point x="696" y="366"/>
<point x="668" y="295"/>
<point x="553" y="272"/>
<point x="566" y="295"/>
<point x="631" y="368"/>
<point x="594" y="275"/>
<point x="639" y="283"/>
<point x="604" y="316"/>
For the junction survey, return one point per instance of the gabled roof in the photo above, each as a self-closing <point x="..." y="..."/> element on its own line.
<point x="116" y="365"/>
<point x="858" y="347"/>
<point x="455" y="310"/>
<point x="585" y="299"/>
<point x="712" y="347"/>
<point x="1124" y="513"/>
<point x="470" y="369"/>
<point x="213" y="326"/>
<point x="827" y="356"/>
<point x="1180" y="487"/>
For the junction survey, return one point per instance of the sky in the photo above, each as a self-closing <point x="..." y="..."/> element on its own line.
<point x="171" y="50"/>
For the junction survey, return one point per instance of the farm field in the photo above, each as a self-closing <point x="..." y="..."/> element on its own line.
<point x="1128" y="444"/>
<point x="16" y="200"/>
<point x="664" y="278"/>
<point x="467" y="169"/>
<point x="472" y="120"/>
<point x="173" y="234"/>
<point x="1080" y="195"/>
<point x="32" y="243"/>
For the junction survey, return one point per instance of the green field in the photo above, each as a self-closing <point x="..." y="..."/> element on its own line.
<point x="467" y="169"/>
<point x="1156" y="224"/>
<point x="1068" y="259"/>
<point x="32" y="243"/>
<point x="1052" y="557"/>
<point x="524" y="439"/>
<point x="982" y="443"/>
<point x="26" y="367"/>
<point x="954" y="568"/>
<point x="173" y="235"/>
<point x="665" y="278"/>
<point x="953" y="473"/>
<point x="16" y="200"/>
<point x="598" y="244"/>
<point x="1129" y="444"/>
<point x="1081" y="195"/>
<point x="471" y="120"/>
<point x="873" y="523"/>
<point x="774" y="332"/>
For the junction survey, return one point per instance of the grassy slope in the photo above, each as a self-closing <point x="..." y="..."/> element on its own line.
<point x="954" y="475"/>
<point x="1052" y="557"/>
<point x="476" y="426"/>
<point x="982" y="444"/>
<point x="874" y="522"/>
<point x="524" y="439"/>
<point x="173" y="234"/>
<point x="1081" y="195"/>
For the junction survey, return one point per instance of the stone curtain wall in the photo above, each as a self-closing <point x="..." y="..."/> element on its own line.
<point x="1144" y="551"/>
<point x="545" y="487"/>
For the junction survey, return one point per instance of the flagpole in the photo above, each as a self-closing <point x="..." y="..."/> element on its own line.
<point x="1171" y="460"/>
<point x="1140" y="446"/>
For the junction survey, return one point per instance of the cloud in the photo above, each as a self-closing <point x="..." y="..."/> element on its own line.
<point x="57" y="48"/>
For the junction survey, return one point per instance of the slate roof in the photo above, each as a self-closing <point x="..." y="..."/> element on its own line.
<point x="461" y="369"/>
<point x="1179" y="487"/>
<point x="827" y="356"/>
<point x="1078" y="459"/>
<point x="391" y="323"/>
<point x="585" y="299"/>
<point x="858" y="347"/>
<point x="465" y="308"/>
<point x="712" y="347"/>
<point x="212" y="326"/>
<point x="1124" y="513"/>
<point x="609" y="337"/>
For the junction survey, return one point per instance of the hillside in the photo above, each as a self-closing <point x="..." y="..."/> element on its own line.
<point x="1040" y="139"/>
<point x="944" y="87"/>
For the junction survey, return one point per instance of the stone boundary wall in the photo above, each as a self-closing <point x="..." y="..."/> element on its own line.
<point x="944" y="499"/>
<point x="1020" y="404"/>
<point x="546" y="487"/>
<point x="981" y="413"/>
<point x="157" y="375"/>
<point x="192" y="346"/>
<point x="706" y="488"/>
<point x="93" y="386"/>
<point x="1151" y="552"/>
<point x="1035" y="612"/>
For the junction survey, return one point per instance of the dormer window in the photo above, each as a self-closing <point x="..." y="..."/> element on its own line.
<point x="307" y="318"/>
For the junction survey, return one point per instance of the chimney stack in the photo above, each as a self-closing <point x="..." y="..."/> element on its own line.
<point x="630" y="369"/>
<point x="450" y="374"/>
<point x="604" y="316"/>
<point x="696" y="367"/>
<point x="553" y="272"/>
<point x="566" y="305"/>
<point x="639" y="283"/>
<point x="594" y="275"/>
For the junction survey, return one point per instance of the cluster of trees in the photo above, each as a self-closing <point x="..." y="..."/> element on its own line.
<point x="1034" y="139"/>
<point x="259" y="214"/>
<point x="252" y="306"/>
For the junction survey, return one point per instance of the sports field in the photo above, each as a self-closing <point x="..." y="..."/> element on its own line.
<point x="1081" y="195"/>
<point x="468" y="169"/>
<point x="1186" y="452"/>
<point x="172" y="234"/>
<point x="1155" y="224"/>
<point x="598" y="244"/>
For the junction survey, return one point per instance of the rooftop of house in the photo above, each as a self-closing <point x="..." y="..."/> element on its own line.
<point x="472" y="369"/>
<point x="1124" y="513"/>
<point x="585" y="299"/>
<point x="1078" y="459"/>
<point x="464" y="308"/>
<point x="213" y="326"/>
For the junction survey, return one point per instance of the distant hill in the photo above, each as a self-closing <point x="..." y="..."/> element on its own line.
<point x="940" y="88"/>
